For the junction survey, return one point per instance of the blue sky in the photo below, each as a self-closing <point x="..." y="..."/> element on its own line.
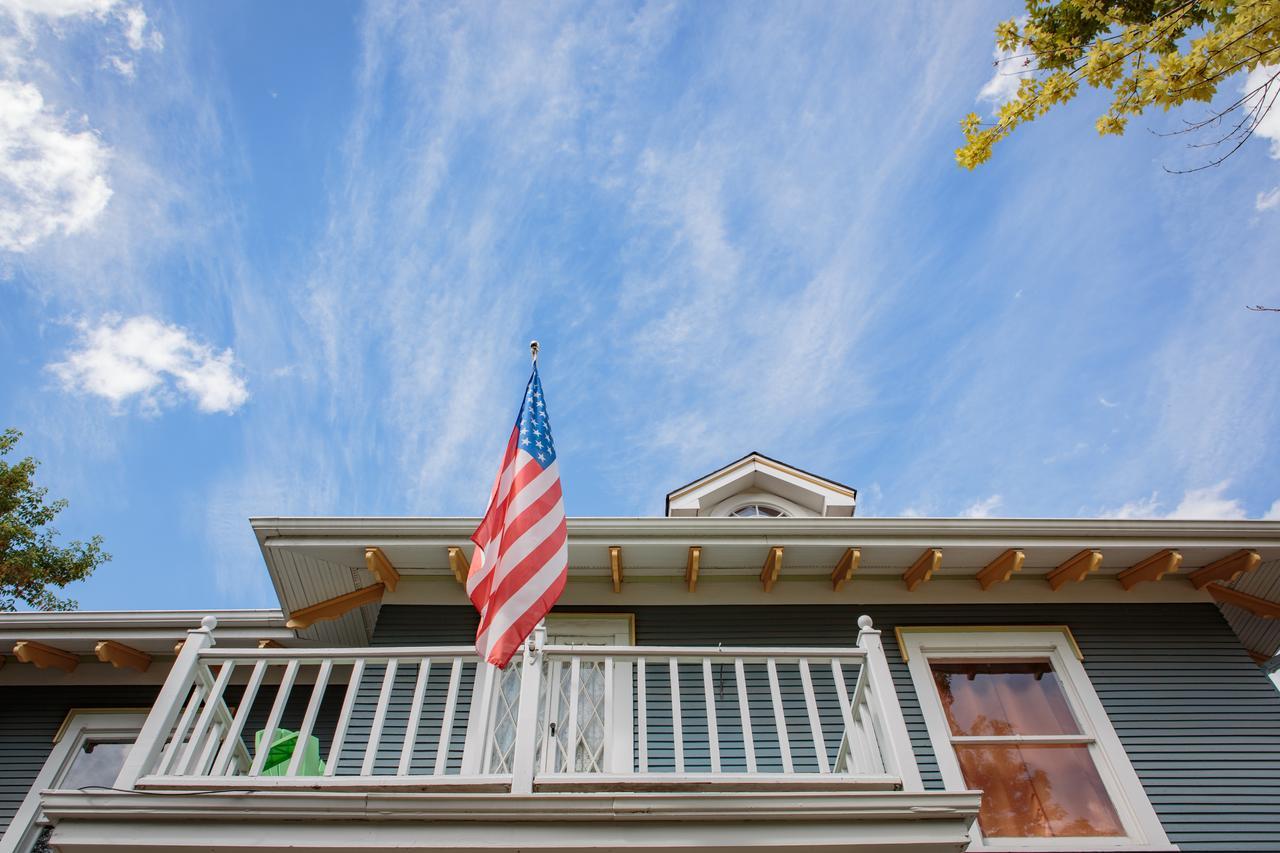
<point x="285" y="258"/>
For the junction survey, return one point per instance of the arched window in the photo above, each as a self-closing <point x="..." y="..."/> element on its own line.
<point x="757" y="511"/>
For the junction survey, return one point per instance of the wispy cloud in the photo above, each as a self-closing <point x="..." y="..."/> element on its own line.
<point x="1208" y="502"/>
<point x="1267" y="200"/>
<point x="145" y="360"/>
<point x="983" y="508"/>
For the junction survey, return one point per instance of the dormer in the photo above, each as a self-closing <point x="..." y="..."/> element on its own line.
<point x="756" y="486"/>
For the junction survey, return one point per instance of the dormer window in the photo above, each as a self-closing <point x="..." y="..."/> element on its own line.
<point x="757" y="511"/>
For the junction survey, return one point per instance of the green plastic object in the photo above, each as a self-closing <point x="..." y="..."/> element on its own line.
<point x="281" y="751"/>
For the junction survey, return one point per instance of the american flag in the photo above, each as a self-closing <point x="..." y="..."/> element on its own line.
<point x="521" y="560"/>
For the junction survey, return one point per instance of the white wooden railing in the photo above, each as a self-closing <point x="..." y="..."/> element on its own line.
<point x="559" y="718"/>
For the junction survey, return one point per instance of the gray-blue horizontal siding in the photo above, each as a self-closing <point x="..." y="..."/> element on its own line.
<point x="29" y="719"/>
<point x="1198" y="719"/>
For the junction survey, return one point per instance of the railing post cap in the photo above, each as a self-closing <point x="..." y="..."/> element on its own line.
<point x="864" y="622"/>
<point x="209" y="622"/>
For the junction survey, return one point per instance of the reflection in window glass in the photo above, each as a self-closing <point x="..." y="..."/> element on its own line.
<point x="1003" y="698"/>
<point x="1042" y="790"/>
<point x="96" y="764"/>
<point x="1038" y="791"/>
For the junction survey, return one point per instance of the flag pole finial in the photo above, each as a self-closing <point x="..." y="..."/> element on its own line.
<point x="533" y="351"/>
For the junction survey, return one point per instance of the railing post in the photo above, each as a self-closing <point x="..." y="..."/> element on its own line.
<point x="885" y="707"/>
<point x="164" y="713"/>
<point x="526" y="747"/>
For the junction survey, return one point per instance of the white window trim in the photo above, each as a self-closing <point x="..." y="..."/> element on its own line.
<point x="1122" y="784"/>
<point x="80" y="725"/>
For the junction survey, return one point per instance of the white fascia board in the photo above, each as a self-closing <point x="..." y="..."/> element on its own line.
<point x="929" y="821"/>
<point x="153" y="631"/>
<point x="461" y="528"/>
<point x="182" y="619"/>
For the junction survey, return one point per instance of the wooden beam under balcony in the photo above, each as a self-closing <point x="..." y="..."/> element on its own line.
<point x="1075" y="569"/>
<point x="1001" y="568"/>
<point x="381" y="569"/>
<point x="1258" y="657"/>
<point x="843" y="572"/>
<point x="615" y="566"/>
<point x="923" y="568"/>
<point x="121" y="656"/>
<point x="772" y="568"/>
<point x="270" y="644"/>
<point x="335" y="607"/>
<point x="1227" y="569"/>
<point x="458" y="563"/>
<point x="45" y="657"/>
<point x="691" y="567"/>
<point x="1257" y="606"/>
<point x="1151" y="569"/>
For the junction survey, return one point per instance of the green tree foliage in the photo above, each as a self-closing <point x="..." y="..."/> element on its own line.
<point x="31" y="560"/>
<point x="1148" y="53"/>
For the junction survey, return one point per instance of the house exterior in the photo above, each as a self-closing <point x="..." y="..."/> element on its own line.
<point x="758" y="669"/>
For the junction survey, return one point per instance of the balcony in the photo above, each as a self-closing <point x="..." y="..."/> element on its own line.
<point x="584" y="736"/>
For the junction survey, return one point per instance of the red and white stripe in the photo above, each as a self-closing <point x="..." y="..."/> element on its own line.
<point x="521" y="561"/>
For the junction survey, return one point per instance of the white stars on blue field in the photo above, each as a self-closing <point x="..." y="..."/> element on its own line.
<point x="535" y="427"/>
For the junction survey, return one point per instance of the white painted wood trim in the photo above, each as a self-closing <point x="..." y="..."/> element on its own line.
<point x="79" y="727"/>
<point x="1139" y="819"/>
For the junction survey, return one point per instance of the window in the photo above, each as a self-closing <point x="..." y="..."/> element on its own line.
<point x="757" y="511"/>
<point x="88" y="751"/>
<point x="1011" y="713"/>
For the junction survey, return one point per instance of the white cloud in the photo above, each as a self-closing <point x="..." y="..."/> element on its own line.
<point x="1003" y="84"/>
<point x="982" y="508"/>
<point x="53" y="166"/>
<point x="52" y="176"/>
<point x="1105" y="402"/>
<point x="143" y="358"/>
<point x="1269" y="127"/>
<point x="1210" y="502"/>
<point x="1268" y="200"/>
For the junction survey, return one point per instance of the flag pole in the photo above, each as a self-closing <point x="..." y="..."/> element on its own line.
<point x="533" y="351"/>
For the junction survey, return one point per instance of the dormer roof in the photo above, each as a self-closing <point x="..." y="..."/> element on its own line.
<point x="760" y="480"/>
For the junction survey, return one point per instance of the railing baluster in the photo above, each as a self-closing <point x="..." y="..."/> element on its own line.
<point x="415" y="713"/>
<point x="309" y="717"/>
<point x="446" y="724"/>
<point x="815" y="722"/>
<point x="851" y="734"/>
<point x="211" y="700"/>
<point x="713" y="730"/>
<point x="379" y="718"/>
<point x="575" y="687"/>
<point x="779" y="717"/>
<point x="199" y="691"/>
<point x="642" y="717"/>
<point x="549" y="735"/>
<point x="677" y="729"/>
<point x="222" y="763"/>
<point x="744" y="711"/>
<point x="344" y="717"/>
<point x="606" y="751"/>
<point x="211" y="744"/>
<point x="262" y="746"/>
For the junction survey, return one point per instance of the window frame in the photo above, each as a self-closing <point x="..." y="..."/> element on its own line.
<point x="921" y="646"/>
<point x="781" y="513"/>
<point x="79" y="726"/>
